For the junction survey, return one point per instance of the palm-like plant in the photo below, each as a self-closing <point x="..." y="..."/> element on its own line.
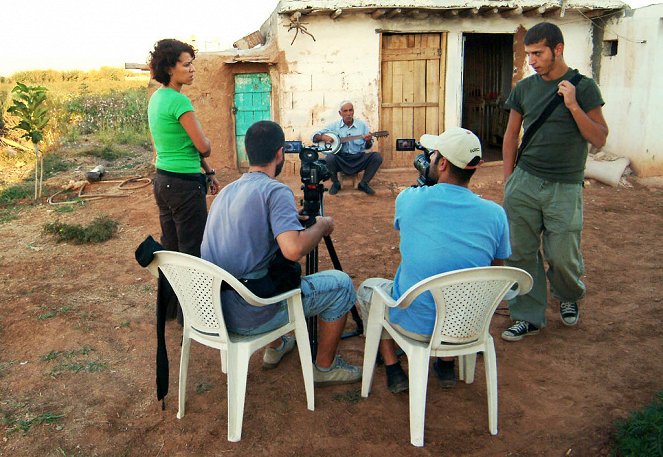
<point x="28" y="105"/>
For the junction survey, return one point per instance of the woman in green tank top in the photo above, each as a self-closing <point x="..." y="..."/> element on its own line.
<point x="180" y="147"/>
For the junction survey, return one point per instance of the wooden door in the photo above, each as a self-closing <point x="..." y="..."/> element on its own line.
<point x="252" y="103"/>
<point x="412" y="91"/>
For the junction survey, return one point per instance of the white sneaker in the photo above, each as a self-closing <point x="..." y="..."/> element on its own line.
<point x="273" y="356"/>
<point x="569" y="312"/>
<point x="340" y="372"/>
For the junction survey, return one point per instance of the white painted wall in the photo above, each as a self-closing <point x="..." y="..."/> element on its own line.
<point x="632" y="86"/>
<point x="340" y="64"/>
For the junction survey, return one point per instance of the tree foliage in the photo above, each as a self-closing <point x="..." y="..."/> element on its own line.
<point x="29" y="106"/>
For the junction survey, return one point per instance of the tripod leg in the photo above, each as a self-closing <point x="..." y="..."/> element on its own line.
<point x="312" y="322"/>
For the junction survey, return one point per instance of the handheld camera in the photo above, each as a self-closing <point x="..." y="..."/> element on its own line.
<point x="421" y="162"/>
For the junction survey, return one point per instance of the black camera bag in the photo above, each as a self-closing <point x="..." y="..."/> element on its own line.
<point x="283" y="275"/>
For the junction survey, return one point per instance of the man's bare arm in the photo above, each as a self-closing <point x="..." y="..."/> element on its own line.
<point x="591" y="124"/>
<point x="295" y="244"/>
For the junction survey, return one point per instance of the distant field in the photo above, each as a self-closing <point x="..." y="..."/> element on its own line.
<point x="109" y="104"/>
<point x="103" y="80"/>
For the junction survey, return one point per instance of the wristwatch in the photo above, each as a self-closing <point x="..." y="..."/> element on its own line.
<point x="210" y="173"/>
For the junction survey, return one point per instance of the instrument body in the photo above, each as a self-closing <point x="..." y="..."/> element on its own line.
<point x="337" y="143"/>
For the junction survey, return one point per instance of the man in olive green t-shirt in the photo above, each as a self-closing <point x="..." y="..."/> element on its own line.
<point x="543" y="190"/>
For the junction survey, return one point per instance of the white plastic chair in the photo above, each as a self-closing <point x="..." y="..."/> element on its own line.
<point x="197" y="284"/>
<point x="465" y="301"/>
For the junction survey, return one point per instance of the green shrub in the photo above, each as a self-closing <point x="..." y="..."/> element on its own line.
<point x="12" y="194"/>
<point x="641" y="434"/>
<point x="99" y="230"/>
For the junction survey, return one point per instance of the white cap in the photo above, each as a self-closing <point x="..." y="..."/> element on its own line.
<point x="460" y="146"/>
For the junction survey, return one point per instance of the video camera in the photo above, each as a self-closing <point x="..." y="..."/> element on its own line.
<point x="313" y="171"/>
<point x="421" y="162"/>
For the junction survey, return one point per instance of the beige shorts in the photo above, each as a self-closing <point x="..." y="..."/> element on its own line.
<point x="364" y="295"/>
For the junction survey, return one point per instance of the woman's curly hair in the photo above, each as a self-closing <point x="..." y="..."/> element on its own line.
<point x="165" y="56"/>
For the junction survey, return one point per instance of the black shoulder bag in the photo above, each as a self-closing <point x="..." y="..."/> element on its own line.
<point x="545" y="114"/>
<point x="283" y="275"/>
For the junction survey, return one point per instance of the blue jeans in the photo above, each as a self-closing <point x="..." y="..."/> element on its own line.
<point x="327" y="294"/>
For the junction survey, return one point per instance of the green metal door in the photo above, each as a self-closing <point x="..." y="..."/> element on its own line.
<point x="252" y="104"/>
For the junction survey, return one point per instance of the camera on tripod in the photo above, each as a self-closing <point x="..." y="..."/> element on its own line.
<point x="421" y="162"/>
<point x="313" y="170"/>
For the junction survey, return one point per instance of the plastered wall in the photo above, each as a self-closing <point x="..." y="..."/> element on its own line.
<point x="632" y="85"/>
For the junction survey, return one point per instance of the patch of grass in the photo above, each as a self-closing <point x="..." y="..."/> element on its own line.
<point x="71" y="361"/>
<point x="128" y="136"/>
<point x="50" y="356"/>
<point x="5" y="365"/>
<point x="64" y="209"/>
<point x="20" y="193"/>
<point x="47" y="315"/>
<point x="107" y="152"/>
<point x="77" y="367"/>
<point x="54" y="163"/>
<point x="202" y="388"/>
<point x="641" y="434"/>
<point x="25" y="424"/>
<point x="13" y="194"/>
<point x="54" y="312"/>
<point x="65" y="453"/>
<point x="351" y="396"/>
<point x="99" y="230"/>
<point x="53" y="355"/>
<point x="85" y="350"/>
<point x="8" y="214"/>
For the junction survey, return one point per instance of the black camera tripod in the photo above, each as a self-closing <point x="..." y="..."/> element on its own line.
<point x="313" y="207"/>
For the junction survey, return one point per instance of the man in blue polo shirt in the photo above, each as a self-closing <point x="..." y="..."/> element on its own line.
<point x="352" y="158"/>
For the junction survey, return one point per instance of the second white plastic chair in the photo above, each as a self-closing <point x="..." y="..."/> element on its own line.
<point x="465" y="301"/>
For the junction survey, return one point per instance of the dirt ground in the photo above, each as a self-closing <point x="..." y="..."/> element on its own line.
<point x="77" y="339"/>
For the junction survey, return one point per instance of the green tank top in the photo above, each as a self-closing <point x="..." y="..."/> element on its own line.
<point x="175" y="150"/>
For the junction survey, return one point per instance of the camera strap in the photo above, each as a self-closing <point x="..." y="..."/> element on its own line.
<point x="545" y="114"/>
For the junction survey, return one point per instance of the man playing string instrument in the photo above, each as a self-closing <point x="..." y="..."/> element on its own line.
<point x="351" y="158"/>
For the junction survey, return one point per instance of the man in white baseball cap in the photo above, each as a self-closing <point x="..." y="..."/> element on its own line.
<point x="443" y="226"/>
<point x="460" y="146"/>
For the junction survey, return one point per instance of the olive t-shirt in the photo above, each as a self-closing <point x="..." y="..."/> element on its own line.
<point x="175" y="149"/>
<point x="557" y="151"/>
